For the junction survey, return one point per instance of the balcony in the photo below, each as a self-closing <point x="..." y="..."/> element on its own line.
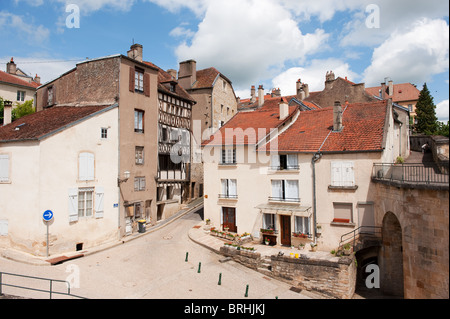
<point x="284" y="200"/>
<point x="412" y="175"/>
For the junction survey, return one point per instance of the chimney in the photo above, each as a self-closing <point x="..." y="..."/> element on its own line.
<point x="284" y="109"/>
<point x="260" y="96"/>
<point x="276" y="92"/>
<point x="7" y="117"/>
<point x="11" y="67"/>
<point x="391" y="88"/>
<point x="253" y="94"/>
<point x="329" y="79"/>
<point x="337" y="117"/>
<point x="187" y="75"/>
<point x="136" y="52"/>
<point x="37" y="79"/>
<point x="173" y="73"/>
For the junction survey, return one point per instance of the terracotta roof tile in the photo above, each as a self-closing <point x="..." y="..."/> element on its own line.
<point x="402" y="92"/>
<point x="11" y="79"/>
<point x="36" y="126"/>
<point x="206" y="78"/>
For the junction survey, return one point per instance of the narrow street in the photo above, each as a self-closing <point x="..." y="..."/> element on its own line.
<point x="154" y="267"/>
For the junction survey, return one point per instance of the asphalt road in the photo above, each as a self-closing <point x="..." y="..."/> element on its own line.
<point x="154" y="267"/>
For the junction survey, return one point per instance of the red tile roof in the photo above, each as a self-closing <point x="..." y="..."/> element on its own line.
<point x="250" y="127"/>
<point x="11" y="79"/>
<point x="206" y="78"/>
<point x="402" y="92"/>
<point x="363" y="130"/>
<point x="40" y="124"/>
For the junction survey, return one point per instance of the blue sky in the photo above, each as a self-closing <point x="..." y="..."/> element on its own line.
<point x="253" y="42"/>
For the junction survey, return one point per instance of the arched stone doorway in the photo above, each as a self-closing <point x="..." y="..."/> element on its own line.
<point x="391" y="257"/>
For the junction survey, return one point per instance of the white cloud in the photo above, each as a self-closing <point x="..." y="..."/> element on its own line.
<point x="312" y="74"/>
<point x="46" y="67"/>
<point x="411" y="56"/>
<point x="442" y="111"/>
<point x="15" y="24"/>
<point x="245" y="38"/>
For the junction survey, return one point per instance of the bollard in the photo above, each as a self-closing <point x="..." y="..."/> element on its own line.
<point x="199" y="266"/>
<point x="187" y="255"/>
<point x="246" y="292"/>
<point x="220" y="279"/>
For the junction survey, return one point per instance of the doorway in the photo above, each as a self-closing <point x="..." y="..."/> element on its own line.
<point x="285" y="222"/>
<point x="229" y="219"/>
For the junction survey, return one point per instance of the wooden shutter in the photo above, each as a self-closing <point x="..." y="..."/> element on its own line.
<point x="86" y="167"/>
<point x="99" y="201"/>
<point x="292" y="190"/>
<point x="132" y="75"/>
<point x="45" y="98"/>
<point x="224" y="187"/>
<point x="336" y="175"/>
<point x="275" y="161"/>
<point x="147" y="84"/>
<point x="348" y="175"/>
<point x="277" y="189"/>
<point x="232" y="188"/>
<point x="4" y="168"/>
<point x="73" y="205"/>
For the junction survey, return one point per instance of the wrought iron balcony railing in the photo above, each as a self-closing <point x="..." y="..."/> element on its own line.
<point x="411" y="173"/>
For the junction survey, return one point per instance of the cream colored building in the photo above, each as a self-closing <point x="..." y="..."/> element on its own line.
<point x="280" y="173"/>
<point x="68" y="165"/>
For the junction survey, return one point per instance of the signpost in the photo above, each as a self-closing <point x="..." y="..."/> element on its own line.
<point x="47" y="217"/>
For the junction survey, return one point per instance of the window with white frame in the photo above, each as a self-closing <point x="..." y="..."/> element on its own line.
<point x="139" y="121"/>
<point x="343" y="212"/>
<point x="302" y="225"/>
<point x="268" y="221"/>
<point x="342" y="174"/>
<point x="139" y="154"/>
<point x="85" y="202"/>
<point x="4" y="168"/>
<point x="104" y="133"/>
<point x="21" y="96"/>
<point x="285" y="190"/>
<point x="229" y="188"/>
<point x="228" y="156"/>
<point x="284" y="162"/>
<point x="139" y="80"/>
<point x="86" y="167"/>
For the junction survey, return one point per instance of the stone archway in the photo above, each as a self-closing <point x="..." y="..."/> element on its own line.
<point x="391" y="257"/>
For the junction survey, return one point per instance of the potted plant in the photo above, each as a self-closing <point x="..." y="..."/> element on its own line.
<point x="301" y="246"/>
<point x="267" y="241"/>
<point x="347" y="249"/>
<point x="313" y="246"/>
<point x="208" y="221"/>
<point x="319" y="230"/>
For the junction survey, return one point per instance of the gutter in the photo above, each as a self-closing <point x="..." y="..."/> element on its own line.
<point x="317" y="156"/>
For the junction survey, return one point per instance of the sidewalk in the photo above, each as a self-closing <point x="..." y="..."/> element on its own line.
<point x="23" y="257"/>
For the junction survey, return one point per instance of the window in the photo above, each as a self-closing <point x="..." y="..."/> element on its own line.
<point x="50" y="92"/>
<point x="104" y="133"/>
<point x="139" y="81"/>
<point x="21" y="96"/>
<point x="343" y="212"/>
<point x="86" y="167"/>
<point x="269" y="221"/>
<point x="302" y="225"/>
<point x="229" y="156"/>
<point x="139" y="121"/>
<point x="4" y="168"/>
<point x="85" y="202"/>
<point x="166" y="163"/>
<point x="342" y="174"/>
<point x="139" y="155"/>
<point x="139" y="184"/>
<point x="229" y="189"/>
<point x="284" y="162"/>
<point x="285" y="190"/>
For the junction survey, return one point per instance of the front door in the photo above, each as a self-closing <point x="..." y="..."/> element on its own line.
<point x="229" y="219"/>
<point x="285" y="230"/>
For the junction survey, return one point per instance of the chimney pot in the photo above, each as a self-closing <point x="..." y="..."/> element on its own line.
<point x="337" y="116"/>
<point x="7" y="112"/>
<point x="284" y="109"/>
<point x="260" y="96"/>
<point x="136" y="52"/>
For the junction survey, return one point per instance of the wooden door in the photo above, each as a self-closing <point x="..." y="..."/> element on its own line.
<point x="229" y="219"/>
<point x="285" y="230"/>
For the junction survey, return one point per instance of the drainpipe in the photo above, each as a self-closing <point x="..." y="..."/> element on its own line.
<point x="317" y="156"/>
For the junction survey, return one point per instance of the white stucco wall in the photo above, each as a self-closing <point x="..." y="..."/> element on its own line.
<point x="41" y="176"/>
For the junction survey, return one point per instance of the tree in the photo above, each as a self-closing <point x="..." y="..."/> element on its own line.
<point x="443" y="129"/>
<point x="22" y="110"/>
<point x="427" y="122"/>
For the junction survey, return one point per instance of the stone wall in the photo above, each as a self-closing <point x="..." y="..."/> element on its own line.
<point x="334" y="279"/>
<point x="424" y="221"/>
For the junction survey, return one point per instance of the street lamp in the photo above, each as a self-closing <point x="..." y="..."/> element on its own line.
<point x="125" y="179"/>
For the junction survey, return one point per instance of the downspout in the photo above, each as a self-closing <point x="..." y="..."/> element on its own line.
<point x="317" y="156"/>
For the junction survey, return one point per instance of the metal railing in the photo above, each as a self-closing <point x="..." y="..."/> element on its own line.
<point x="284" y="199"/>
<point x="420" y="173"/>
<point x="354" y="234"/>
<point x="50" y="289"/>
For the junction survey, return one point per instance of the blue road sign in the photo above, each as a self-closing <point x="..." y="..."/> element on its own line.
<point x="48" y="215"/>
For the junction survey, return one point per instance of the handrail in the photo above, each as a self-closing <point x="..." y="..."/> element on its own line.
<point x="50" y="290"/>
<point x="357" y="231"/>
<point x="428" y="173"/>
